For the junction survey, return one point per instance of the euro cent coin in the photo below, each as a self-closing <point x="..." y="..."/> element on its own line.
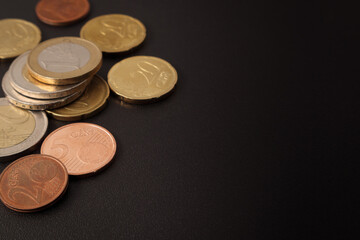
<point x="28" y="86"/>
<point x="84" y="148"/>
<point x="64" y="60"/>
<point x="61" y="12"/>
<point x="33" y="183"/>
<point x="91" y="102"/>
<point x="114" y="33"/>
<point x="142" y="79"/>
<point x="17" y="36"/>
<point x="20" y="130"/>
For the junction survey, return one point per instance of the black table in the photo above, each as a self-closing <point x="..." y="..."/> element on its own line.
<point x="260" y="140"/>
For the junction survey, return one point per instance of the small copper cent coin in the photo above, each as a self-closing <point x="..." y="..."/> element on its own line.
<point x="62" y="12"/>
<point x="33" y="183"/>
<point x="84" y="148"/>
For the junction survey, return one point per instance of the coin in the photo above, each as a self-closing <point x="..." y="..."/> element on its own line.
<point x="114" y="33"/>
<point x="25" y="84"/>
<point x="33" y="183"/>
<point x="20" y="130"/>
<point x="62" y="12"/>
<point x="142" y="79"/>
<point x="34" y="104"/>
<point x="65" y="60"/>
<point x="91" y="102"/>
<point x="17" y="36"/>
<point x="84" y="148"/>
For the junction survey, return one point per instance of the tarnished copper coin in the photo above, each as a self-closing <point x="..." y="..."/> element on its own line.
<point x="62" y="12"/>
<point x="84" y="148"/>
<point x="33" y="183"/>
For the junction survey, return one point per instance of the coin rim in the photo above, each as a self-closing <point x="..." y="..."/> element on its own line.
<point x="35" y="104"/>
<point x="84" y="28"/>
<point x="41" y="126"/>
<point x="85" y="114"/>
<point x="85" y="173"/>
<point x="66" y="91"/>
<point x="37" y="37"/>
<point x="134" y="100"/>
<point x="64" y="186"/>
<point x="45" y="76"/>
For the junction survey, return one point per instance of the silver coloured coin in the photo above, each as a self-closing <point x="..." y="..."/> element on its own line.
<point x="25" y="84"/>
<point x="64" y="57"/>
<point x="34" y="104"/>
<point x="30" y="139"/>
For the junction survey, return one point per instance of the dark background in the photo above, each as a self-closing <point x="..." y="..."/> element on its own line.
<point x="260" y="140"/>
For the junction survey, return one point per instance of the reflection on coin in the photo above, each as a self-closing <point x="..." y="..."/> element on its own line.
<point x="17" y="36"/>
<point x="25" y="84"/>
<point x="114" y="32"/>
<point x="33" y="183"/>
<point x="91" y="102"/>
<point x="62" y="12"/>
<point x="84" y="148"/>
<point x="142" y="79"/>
<point x="20" y="130"/>
<point x="65" y="60"/>
<point x="34" y="104"/>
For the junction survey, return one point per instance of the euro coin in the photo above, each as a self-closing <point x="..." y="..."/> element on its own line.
<point x="84" y="148"/>
<point x="63" y="61"/>
<point x="34" y="104"/>
<point x="61" y="12"/>
<point x="91" y="102"/>
<point x="142" y="79"/>
<point x="33" y="183"/>
<point x="114" y="33"/>
<point x="20" y="130"/>
<point x="26" y="85"/>
<point x="17" y="36"/>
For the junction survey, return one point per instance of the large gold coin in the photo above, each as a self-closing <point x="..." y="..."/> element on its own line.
<point x="114" y="33"/>
<point x="91" y="102"/>
<point x="64" y="60"/>
<point x="142" y="79"/>
<point x="17" y="36"/>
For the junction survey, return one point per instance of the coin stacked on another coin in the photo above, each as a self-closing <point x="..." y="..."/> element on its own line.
<point x="53" y="74"/>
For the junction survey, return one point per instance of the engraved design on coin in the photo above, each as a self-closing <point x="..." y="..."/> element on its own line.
<point x="16" y="126"/>
<point x="81" y="103"/>
<point x="64" y="57"/>
<point x="14" y="37"/>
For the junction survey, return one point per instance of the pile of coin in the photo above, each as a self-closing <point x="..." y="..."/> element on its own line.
<point x="60" y="76"/>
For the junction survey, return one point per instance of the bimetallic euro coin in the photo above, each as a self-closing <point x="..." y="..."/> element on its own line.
<point x="114" y="33"/>
<point x="17" y="36"/>
<point x="91" y="102"/>
<point x="20" y="130"/>
<point x="34" y="104"/>
<point x="25" y="84"/>
<point x="142" y="79"/>
<point x="63" y="61"/>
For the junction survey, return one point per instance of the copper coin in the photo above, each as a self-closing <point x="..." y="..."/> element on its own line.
<point x="62" y="12"/>
<point x="33" y="183"/>
<point x="84" y="148"/>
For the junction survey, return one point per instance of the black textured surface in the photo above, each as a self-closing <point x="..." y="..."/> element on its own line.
<point x="260" y="140"/>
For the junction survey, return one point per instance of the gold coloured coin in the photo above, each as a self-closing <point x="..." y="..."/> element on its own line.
<point x="64" y="60"/>
<point x="17" y="36"/>
<point x="142" y="79"/>
<point x="91" y="102"/>
<point x="16" y="125"/>
<point x="114" y="33"/>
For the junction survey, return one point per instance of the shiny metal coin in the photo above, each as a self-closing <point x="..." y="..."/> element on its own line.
<point x="65" y="60"/>
<point x="20" y="130"/>
<point x="34" y="104"/>
<point x="25" y="84"/>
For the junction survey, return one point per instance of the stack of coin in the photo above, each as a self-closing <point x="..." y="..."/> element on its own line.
<point x="53" y="74"/>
